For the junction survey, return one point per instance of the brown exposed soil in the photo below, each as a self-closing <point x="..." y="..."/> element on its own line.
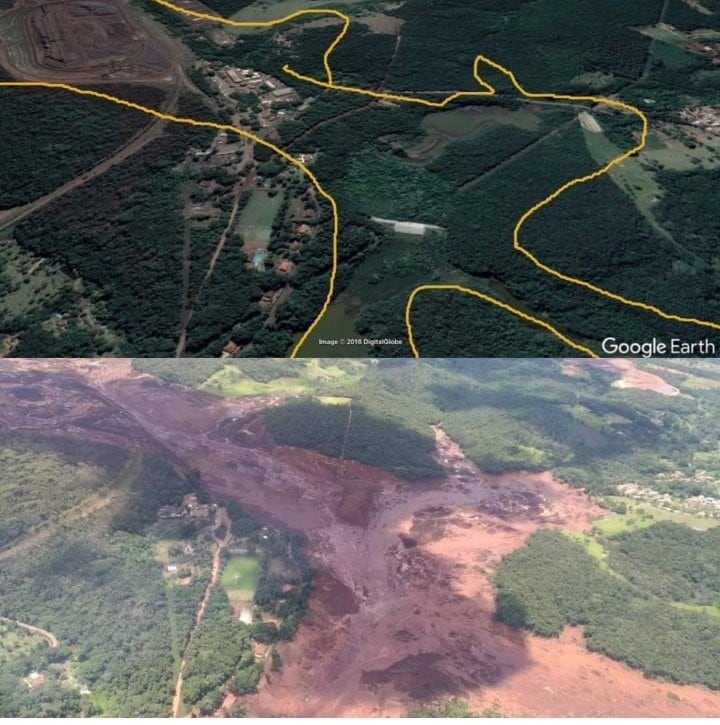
<point x="629" y="375"/>
<point x="81" y="41"/>
<point x="402" y="610"/>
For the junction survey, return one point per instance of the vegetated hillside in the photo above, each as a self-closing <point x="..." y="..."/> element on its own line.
<point x="553" y="582"/>
<point x="505" y="414"/>
<point x="49" y="136"/>
<point x="50" y="479"/>
<point x="100" y="552"/>
<point x="231" y="378"/>
<point x="670" y="561"/>
<point x="509" y="415"/>
<point x="349" y="431"/>
<point x="546" y="44"/>
<point x="122" y="234"/>
<point x="87" y="573"/>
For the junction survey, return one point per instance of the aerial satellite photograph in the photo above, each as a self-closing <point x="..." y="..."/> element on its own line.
<point x="359" y="538"/>
<point x="359" y="359"/>
<point x="359" y="178"/>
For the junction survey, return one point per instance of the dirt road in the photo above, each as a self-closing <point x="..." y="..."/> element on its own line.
<point x="221" y="519"/>
<point x="50" y="638"/>
<point x="189" y="307"/>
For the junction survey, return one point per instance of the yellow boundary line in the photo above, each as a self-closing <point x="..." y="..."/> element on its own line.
<point x="488" y="90"/>
<point x="493" y="301"/>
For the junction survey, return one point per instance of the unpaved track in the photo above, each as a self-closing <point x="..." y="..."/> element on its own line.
<point x="48" y="636"/>
<point x="152" y="131"/>
<point x="221" y="519"/>
<point x="190" y="307"/>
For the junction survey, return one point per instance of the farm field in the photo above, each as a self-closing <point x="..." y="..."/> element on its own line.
<point x="239" y="578"/>
<point x="257" y="216"/>
<point x="307" y="376"/>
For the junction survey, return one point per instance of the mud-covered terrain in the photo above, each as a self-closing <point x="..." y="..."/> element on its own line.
<point x="402" y="611"/>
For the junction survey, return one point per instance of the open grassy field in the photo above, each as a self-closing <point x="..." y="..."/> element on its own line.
<point x="27" y="281"/>
<point x="463" y="122"/>
<point x="264" y="10"/>
<point x="632" y="177"/>
<point x="640" y="515"/>
<point x="338" y="323"/>
<point x="705" y="608"/>
<point x="593" y="79"/>
<point x="672" y="154"/>
<point x="310" y="377"/>
<point x="239" y="578"/>
<point x="595" y="549"/>
<point x="256" y="218"/>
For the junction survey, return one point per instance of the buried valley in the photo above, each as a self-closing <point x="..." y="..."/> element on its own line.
<point x="294" y="578"/>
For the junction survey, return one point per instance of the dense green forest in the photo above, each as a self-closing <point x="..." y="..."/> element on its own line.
<point x="670" y="561"/>
<point x="123" y="236"/>
<point x="41" y="128"/>
<point x="219" y="651"/>
<point x="391" y="161"/>
<point x="51" y="481"/>
<point x="545" y="43"/>
<point x="79" y="584"/>
<point x="349" y="431"/>
<point x="553" y="582"/>
<point x="77" y="574"/>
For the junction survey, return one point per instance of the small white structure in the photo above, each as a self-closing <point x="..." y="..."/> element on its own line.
<point x="415" y="228"/>
<point x="246" y="616"/>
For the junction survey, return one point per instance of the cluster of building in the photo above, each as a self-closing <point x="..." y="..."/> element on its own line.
<point x="700" y="505"/>
<point x="272" y="93"/>
<point x="190" y="508"/>
<point x="705" y="117"/>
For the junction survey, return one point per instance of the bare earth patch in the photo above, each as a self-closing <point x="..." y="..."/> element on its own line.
<point x="402" y="610"/>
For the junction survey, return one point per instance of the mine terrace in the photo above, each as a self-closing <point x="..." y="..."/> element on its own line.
<point x="80" y="40"/>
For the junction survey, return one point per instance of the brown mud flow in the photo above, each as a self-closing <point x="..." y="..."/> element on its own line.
<point x="402" y="610"/>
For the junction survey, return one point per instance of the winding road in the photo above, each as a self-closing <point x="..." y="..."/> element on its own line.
<point x="49" y="637"/>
